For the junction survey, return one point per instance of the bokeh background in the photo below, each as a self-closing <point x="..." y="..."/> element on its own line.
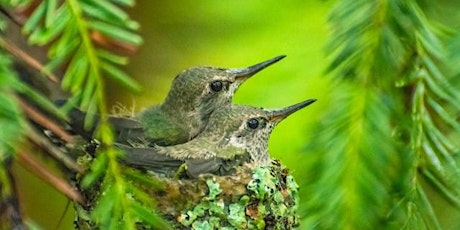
<point x="238" y="33"/>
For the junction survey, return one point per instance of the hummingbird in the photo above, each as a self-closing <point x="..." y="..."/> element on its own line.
<point x="234" y="134"/>
<point x="194" y="94"/>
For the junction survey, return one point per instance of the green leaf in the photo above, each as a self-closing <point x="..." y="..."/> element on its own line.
<point x="50" y="12"/>
<point x="90" y="121"/>
<point x="88" y="92"/>
<point x="11" y="119"/>
<point x="431" y="44"/>
<point x="98" y="169"/>
<point x="140" y="196"/>
<point x="120" y="76"/>
<point x="79" y="75"/>
<point x="34" y="19"/>
<point x="111" y="15"/>
<point x="111" y="57"/>
<point x="449" y="119"/>
<point x="43" y="36"/>
<point x="125" y="2"/>
<point x="67" y="43"/>
<point x="105" y="16"/>
<point x="105" y="212"/>
<point x="69" y="78"/>
<point x="141" y="178"/>
<point x="116" y="32"/>
<point x="442" y="93"/>
<point x="108" y="8"/>
<point x="59" y="60"/>
<point x="429" y="216"/>
<point x="148" y="216"/>
<point x="41" y="100"/>
<point x="448" y="193"/>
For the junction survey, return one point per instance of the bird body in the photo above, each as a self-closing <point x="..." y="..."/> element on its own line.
<point x="235" y="134"/>
<point x="163" y="128"/>
<point x="195" y="93"/>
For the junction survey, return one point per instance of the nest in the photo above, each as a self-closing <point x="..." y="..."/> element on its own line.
<point x="262" y="197"/>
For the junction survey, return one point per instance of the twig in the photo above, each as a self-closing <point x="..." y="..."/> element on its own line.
<point x="31" y="164"/>
<point x="44" y="121"/>
<point x="43" y="142"/>
<point x="9" y="205"/>
<point x="10" y="16"/>
<point x="34" y="63"/>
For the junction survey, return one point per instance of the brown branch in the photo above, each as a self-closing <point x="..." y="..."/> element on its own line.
<point x="43" y="142"/>
<point x="32" y="164"/>
<point x="112" y="44"/>
<point x="41" y="119"/>
<point x="10" y="208"/>
<point x="10" y="16"/>
<point x="29" y="60"/>
<point x="9" y="205"/>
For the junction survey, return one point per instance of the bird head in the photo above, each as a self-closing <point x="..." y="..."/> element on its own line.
<point x="206" y="88"/>
<point x="248" y="127"/>
<point x="196" y="92"/>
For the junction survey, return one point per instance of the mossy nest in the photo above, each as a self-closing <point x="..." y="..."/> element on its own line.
<point x="262" y="197"/>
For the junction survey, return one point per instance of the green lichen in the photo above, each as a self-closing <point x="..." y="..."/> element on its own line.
<point x="237" y="217"/>
<point x="263" y="183"/>
<point x="264" y="197"/>
<point x="214" y="189"/>
<point x="271" y="201"/>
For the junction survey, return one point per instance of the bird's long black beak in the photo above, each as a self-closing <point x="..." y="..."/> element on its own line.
<point x="245" y="73"/>
<point x="279" y="114"/>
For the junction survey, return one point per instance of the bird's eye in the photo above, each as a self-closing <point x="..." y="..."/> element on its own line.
<point x="253" y="123"/>
<point x="216" y="86"/>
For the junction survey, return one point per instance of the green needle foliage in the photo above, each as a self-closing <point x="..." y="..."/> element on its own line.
<point x="392" y="122"/>
<point x="12" y="130"/>
<point x="70" y="30"/>
<point x="67" y="28"/>
<point x="11" y="117"/>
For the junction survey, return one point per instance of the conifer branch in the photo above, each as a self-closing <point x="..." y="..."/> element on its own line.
<point x="73" y="31"/>
<point x="62" y="186"/>
<point x="362" y="143"/>
<point x="31" y="61"/>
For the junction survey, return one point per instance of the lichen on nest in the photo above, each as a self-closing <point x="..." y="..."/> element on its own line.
<point x="264" y="197"/>
<point x="255" y="197"/>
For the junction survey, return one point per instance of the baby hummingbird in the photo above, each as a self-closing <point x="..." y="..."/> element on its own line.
<point x="234" y="134"/>
<point x="195" y="93"/>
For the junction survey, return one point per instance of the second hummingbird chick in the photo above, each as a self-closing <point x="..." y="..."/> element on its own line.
<point x="235" y="134"/>
<point x="195" y="93"/>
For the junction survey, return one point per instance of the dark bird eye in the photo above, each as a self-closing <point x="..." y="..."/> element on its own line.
<point x="253" y="123"/>
<point x="216" y="86"/>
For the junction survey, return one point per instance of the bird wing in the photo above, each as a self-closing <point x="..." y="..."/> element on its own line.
<point x="147" y="157"/>
<point x="126" y="129"/>
<point x="161" y="128"/>
<point x="200" y="157"/>
<point x="217" y="165"/>
<point x="203" y="155"/>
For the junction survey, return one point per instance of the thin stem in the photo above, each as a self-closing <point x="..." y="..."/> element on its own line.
<point x="29" y="60"/>
<point x="60" y="184"/>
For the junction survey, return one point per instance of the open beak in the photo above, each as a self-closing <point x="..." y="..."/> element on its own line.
<point x="279" y="114"/>
<point x="242" y="74"/>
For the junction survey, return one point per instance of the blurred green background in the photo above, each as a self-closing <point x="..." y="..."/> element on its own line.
<point x="237" y="33"/>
